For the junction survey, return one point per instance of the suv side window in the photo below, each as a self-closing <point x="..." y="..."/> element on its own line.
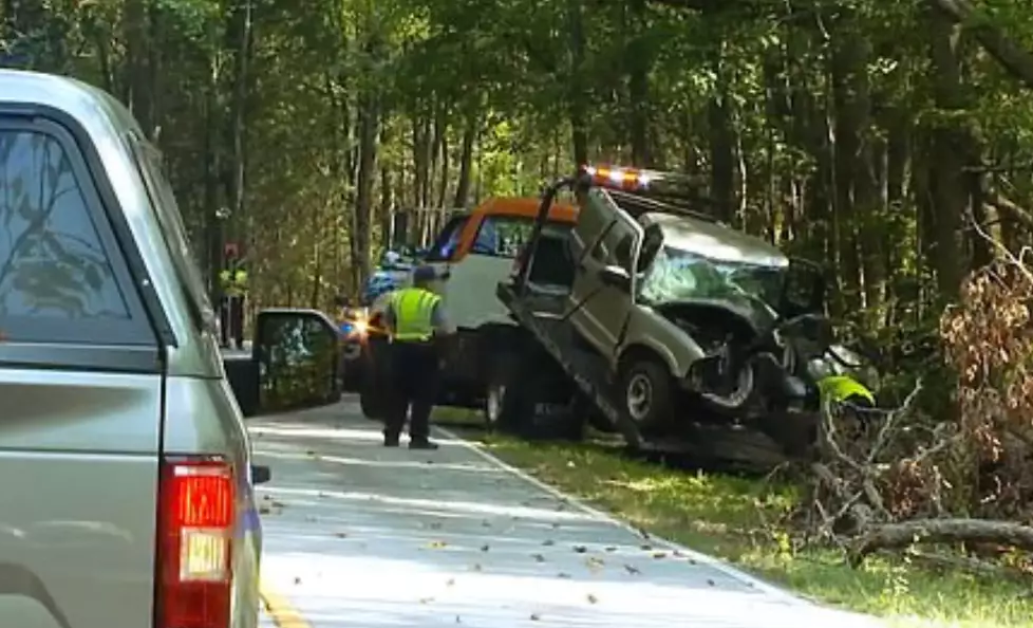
<point x="62" y="277"/>
<point x="52" y="263"/>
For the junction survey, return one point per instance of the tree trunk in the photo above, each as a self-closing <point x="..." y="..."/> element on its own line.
<point x="387" y="199"/>
<point x="639" y="62"/>
<point x="577" y="97"/>
<point x="138" y="85"/>
<point x="848" y="67"/>
<point x="369" y="131"/>
<point x="722" y="148"/>
<point x="470" y="129"/>
<point x="238" y="38"/>
<point x="444" y="169"/>
<point x="950" y="193"/>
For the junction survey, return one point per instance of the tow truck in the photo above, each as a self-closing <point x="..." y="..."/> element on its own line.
<point x="731" y="368"/>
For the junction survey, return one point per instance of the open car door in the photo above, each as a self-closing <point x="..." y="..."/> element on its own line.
<point x="605" y="245"/>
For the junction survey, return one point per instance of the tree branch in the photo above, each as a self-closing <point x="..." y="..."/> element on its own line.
<point x="1016" y="60"/>
<point x="898" y="535"/>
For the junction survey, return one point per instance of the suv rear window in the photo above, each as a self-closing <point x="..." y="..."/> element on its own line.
<point x="63" y="279"/>
<point x="52" y="262"/>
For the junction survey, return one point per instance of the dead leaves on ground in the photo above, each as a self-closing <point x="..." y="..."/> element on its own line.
<point x="270" y="506"/>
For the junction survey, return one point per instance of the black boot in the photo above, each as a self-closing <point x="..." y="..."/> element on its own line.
<point x="390" y="440"/>
<point x="423" y="444"/>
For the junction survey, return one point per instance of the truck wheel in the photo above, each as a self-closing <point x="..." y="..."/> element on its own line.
<point x="494" y="402"/>
<point x="646" y="393"/>
<point x="502" y="405"/>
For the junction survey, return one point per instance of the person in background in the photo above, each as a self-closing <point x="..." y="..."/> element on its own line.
<point x="233" y="280"/>
<point x="416" y="321"/>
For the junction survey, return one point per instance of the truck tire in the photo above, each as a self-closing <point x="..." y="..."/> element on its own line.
<point x="520" y="380"/>
<point x="646" y="395"/>
<point x="501" y="398"/>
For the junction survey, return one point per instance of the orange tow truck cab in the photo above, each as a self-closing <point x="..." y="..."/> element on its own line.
<point x="472" y="253"/>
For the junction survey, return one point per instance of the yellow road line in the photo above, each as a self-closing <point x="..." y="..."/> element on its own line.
<point x="283" y="613"/>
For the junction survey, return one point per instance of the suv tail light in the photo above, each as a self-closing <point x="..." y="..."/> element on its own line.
<point x="197" y="516"/>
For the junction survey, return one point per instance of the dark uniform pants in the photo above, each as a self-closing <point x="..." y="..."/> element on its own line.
<point x="414" y="385"/>
<point x="233" y="321"/>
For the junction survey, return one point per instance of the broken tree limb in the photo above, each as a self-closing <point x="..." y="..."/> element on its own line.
<point x="1005" y="206"/>
<point x="899" y="535"/>
<point x="1014" y="58"/>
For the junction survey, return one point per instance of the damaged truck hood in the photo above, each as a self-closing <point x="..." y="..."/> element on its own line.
<point x="759" y="315"/>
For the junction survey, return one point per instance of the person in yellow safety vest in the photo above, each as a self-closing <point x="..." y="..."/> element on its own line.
<point x="233" y="282"/>
<point x="415" y="318"/>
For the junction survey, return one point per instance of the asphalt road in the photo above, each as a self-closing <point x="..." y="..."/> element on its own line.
<point x="359" y="535"/>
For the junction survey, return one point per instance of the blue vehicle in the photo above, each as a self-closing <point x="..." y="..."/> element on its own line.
<point x="393" y="271"/>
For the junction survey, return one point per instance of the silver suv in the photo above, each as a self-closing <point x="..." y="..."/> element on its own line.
<point x="125" y="475"/>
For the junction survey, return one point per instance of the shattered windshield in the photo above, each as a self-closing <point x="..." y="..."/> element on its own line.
<point x="678" y="274"/>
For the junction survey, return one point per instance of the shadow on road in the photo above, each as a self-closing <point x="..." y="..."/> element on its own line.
<point x="360" y="535"/>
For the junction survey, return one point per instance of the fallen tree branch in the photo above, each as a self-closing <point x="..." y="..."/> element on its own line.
<point x="898" y="535"/>
<point x="1015" y="59"/>
<point x="1016" y="213"/>
<point x="972" y="565"/>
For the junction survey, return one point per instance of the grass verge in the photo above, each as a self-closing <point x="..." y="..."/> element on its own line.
<point x="732" y="518"/>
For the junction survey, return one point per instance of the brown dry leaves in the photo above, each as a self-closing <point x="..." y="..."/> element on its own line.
<point x="988" y="339"/>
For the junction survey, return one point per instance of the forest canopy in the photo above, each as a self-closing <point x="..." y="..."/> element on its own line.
<point x="890" y="140"/>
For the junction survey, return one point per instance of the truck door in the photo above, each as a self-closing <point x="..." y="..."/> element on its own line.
<point x="604" y="236"/>
<point x="81" y="382"/>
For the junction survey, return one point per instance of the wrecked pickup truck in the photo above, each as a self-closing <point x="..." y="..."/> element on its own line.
<point x="671" y="321"/>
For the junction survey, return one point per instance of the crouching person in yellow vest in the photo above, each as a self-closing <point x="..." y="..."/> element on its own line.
<point x="416" y="320"/>
<point x="233" y="282"/>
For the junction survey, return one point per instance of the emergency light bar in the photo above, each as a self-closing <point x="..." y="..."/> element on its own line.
<point x="639" y="180"/>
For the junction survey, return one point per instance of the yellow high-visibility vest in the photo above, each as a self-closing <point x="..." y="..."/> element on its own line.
<point x="234" y="283"/>
<point x="839" y="388"/>
<point x="414" y="314"/>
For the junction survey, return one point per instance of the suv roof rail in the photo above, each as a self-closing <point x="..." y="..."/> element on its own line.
<point x="655" y="190"/>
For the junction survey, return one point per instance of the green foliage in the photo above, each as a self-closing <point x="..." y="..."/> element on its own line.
<point x="740" y="520"/>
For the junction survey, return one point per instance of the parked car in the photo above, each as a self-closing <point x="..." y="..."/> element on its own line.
<point x="125" y="467"/>
<point x="472" y="253"/>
